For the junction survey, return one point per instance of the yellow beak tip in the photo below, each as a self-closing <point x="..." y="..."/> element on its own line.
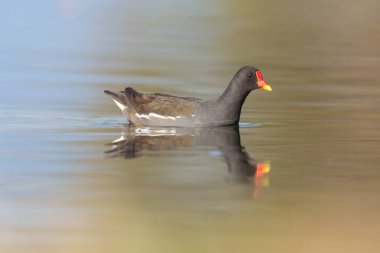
<point x="267" y="87"/>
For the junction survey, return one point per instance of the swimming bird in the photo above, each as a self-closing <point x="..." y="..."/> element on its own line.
<point x="159" y="109"/>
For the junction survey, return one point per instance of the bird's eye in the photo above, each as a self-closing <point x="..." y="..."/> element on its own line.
<point x="249" y="74"/>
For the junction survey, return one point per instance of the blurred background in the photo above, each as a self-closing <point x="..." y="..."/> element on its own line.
<point x="317" y="133"/>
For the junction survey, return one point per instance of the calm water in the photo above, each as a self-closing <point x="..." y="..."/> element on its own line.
<point x="301" y="174"/>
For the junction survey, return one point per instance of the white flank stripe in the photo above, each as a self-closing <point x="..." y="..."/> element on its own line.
<point x="157" y="116"/>
<point x="143" y="116"/>
<point x="152" y="114"/>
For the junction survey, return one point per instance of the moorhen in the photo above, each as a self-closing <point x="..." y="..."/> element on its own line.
<point x="166" y="110"/>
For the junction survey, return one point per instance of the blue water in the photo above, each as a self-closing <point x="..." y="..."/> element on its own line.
<point x="299" y="174"/>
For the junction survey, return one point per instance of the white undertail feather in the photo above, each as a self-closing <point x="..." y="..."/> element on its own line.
<point x="120" y="105"/>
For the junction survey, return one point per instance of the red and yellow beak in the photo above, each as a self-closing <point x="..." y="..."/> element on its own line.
<point x="261" y="83"/>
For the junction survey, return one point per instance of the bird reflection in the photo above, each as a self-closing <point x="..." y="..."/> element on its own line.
<point x="148" y="141"/>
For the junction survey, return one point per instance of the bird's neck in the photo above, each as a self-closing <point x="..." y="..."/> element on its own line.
<point x="231" y="102"/>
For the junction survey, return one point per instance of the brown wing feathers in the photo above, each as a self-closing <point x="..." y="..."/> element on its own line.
<point x="162" y="104"/>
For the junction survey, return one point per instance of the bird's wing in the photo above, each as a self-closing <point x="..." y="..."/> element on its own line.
<point x="162" y="104"/>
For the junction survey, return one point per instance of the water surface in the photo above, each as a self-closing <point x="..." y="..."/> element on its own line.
<point x="300" y="174"/>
